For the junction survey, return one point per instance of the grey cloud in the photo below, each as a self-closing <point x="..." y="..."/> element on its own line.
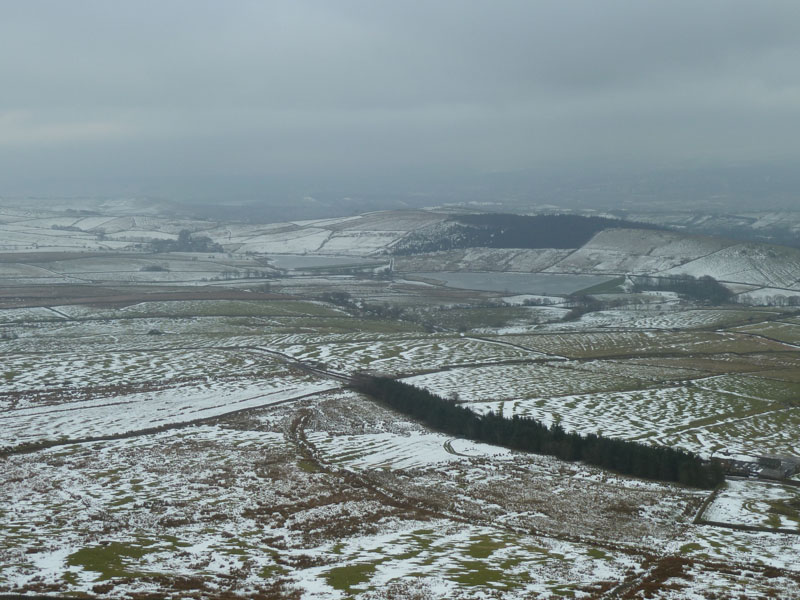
<point x="95" y="88"/>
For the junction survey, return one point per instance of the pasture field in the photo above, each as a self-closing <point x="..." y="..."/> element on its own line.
<point x="482" y="317"/>
<point x="775" y="365"/>
<point x="784" y="330"/>
<point x="406" y="355"/>
<point x="228" y="308"/>
<point x="669" y="318"/>
<point x="26" y="373"/>
<point x="772" y="432"/>
<point x="506" y="382"/>
<point x="637" y="415"/>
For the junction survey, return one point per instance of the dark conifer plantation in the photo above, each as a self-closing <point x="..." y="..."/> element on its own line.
<point x="524" y="433"/>
<point x="497" y="230"/>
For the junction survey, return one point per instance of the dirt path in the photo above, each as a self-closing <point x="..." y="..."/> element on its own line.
<point x="545" y="355"/>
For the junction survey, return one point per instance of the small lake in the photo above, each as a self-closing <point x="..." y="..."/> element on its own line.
<point x="300" y="261"/>
<point x="517" y="283"/>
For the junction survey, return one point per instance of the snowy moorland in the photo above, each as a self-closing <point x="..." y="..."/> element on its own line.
<point x="179" y="424"/>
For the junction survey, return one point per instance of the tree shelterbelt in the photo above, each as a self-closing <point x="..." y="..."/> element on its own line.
<point x="530" y="435"/>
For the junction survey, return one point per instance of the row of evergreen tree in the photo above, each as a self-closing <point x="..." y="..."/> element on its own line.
<point x="528" y="434"/>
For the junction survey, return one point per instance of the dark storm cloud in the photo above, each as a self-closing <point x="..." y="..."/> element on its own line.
<point x="132" y="90"/>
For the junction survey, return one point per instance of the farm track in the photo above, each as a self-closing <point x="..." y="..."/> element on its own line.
<point x="707" y="427"/>
<point x="628" y="586"/>
<point x="73" y="279"/>
<point x="518" y="346"/>
<point x="770" y="339"/>
<point x="60" y="314"/>
<point x="448" y="446"/>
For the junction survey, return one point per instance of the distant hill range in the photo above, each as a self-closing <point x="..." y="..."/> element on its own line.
<point x="444" y="239"/>
<point x="572" y="244"/>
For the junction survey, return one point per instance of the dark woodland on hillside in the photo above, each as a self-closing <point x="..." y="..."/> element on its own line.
<point x="515" y="231"/>
<point x="186" y="242"/>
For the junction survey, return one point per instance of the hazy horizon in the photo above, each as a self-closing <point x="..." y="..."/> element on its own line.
<point x="254" y="101"/>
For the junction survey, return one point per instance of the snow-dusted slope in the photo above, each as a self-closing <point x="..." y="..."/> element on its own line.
<point x="756" y="264"/>
<point x="622" y="251"/>
<point x="53" y="230"/>
<point x="619" y="251"/>
<point x="356" y="236"/>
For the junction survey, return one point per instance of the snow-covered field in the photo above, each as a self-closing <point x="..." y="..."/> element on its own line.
<point x="388" y="450"/>
<point x="125" y="368"/>
<point x="124" y="413"/>
<point x="756" y="504"/>
<point x="583" y="344"/>
<point x="639" y="318"/>
<point x="477" y="384"/>
<point x="769" y="266"/>
<point x="402" y="356"/>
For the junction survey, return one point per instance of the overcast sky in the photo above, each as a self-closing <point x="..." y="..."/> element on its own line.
<point x="121" y="95"/>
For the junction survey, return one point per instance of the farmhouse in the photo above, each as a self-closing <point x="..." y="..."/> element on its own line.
<point x="778" y="467"/>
